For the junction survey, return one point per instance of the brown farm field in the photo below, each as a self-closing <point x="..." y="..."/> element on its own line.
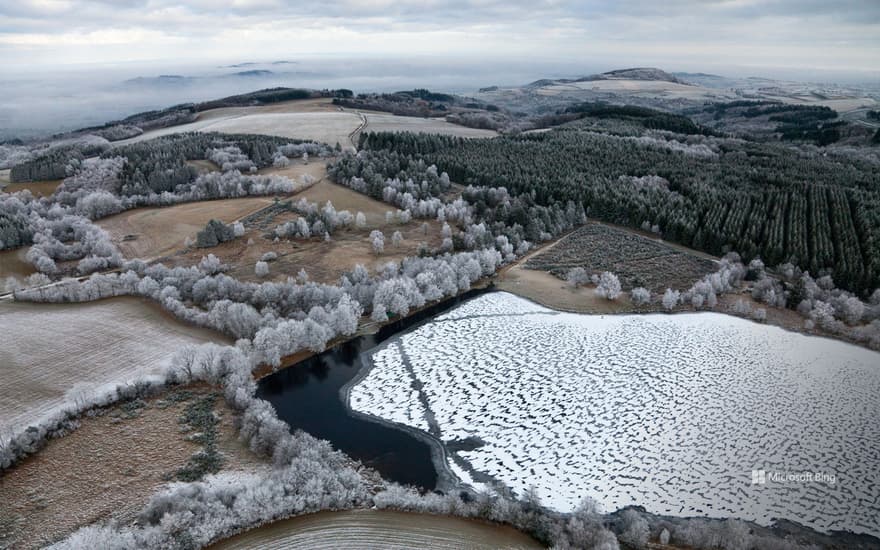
<point x="154" y="232"/>
<point x="57" y="346"/>
<point x="14" y="264"/>
<point x="204" y="165"/>
<point x="157" y="231"/>
<point x="316" y="168"/>
<point x="323" y="261"/>
<point x="638" y="260"/>
<point x="108" y="467"/>
<point x="356" y="529"/>
<point x="549" y="291"/>
<point x="344" y="198"/>
<point x="38" y="188"/>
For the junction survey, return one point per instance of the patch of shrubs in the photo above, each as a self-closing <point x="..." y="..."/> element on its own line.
<point x="198" y="417"/>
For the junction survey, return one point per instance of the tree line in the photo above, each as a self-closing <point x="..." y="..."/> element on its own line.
<point x="818" y="210"/>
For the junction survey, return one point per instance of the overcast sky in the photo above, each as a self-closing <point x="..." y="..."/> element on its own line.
<point x="673" y="34"/>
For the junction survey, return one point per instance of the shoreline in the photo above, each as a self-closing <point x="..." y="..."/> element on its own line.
<point x="775" y="315"/>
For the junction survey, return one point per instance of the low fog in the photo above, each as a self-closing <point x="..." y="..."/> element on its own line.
<point x="40" y="102"/>
<point x="36" y="104"/>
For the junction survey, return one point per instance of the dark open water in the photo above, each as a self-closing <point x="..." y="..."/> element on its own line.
<point x="307" y="396"/>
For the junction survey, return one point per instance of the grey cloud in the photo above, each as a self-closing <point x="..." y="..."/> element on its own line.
<point x="94" y="14"/>
<point x="853" y="24"/>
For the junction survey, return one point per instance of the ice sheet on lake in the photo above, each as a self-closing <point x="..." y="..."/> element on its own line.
<point x="388" y="390"/>
<point x="672" y="412"/>
<point x="496" y="303"/>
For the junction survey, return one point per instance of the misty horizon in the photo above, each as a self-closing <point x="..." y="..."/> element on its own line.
<point x="66" y="62"/>
<point x="39" y="102"/>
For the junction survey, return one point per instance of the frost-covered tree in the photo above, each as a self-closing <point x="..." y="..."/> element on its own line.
<point x="640" y="296"/>
<point x="742" y="307"/>
<point x="396" y="239"/>
<point x="609" y="286"/>
<point x="377" y="241"/>
<point x="360" y="220"/>
<point x="261" y="268"/>
<point x="633" y="528"/>
<point x="577" y="276"/>
<point x="671" y="299"/>
<point x="211" y="264"/>
<point x="852" y="310"/>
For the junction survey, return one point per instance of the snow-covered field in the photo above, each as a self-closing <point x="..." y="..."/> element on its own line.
<point x="328" y="127"/>
<point x="394" y="123"/>
<point x="672" y="412"/>
<point x="49" y="349"/>
<point x="639" y="87"/>
<point x="325" y="123"/>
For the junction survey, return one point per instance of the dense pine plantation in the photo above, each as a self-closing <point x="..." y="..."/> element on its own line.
<point x="817" y="209"/>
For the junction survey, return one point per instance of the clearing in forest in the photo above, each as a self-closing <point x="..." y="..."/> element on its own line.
<point x="324" y="261"/>
<point x="153" y="232"/>
<point x="380" y="122"/>
<point x="636" y="259"/>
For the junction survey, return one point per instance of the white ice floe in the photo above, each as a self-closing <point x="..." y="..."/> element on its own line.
<point x="388" y="391"/>
<point x="672" y="412"/>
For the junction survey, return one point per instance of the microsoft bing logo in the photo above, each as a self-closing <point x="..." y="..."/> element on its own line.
<point x="759" y="477"/>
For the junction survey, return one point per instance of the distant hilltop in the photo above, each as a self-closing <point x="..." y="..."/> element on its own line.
<point x="637" y="73"/>
<point x="180" y="80"/>
<point x="158" y="80"/>
<point x="253" y="72"/>
<point x="698" y="75"/>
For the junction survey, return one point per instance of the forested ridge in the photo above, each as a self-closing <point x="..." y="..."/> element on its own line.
<point x="818" y="210"/>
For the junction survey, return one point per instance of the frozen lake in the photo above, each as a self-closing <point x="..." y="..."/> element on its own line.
<point x="671" y="412"/>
